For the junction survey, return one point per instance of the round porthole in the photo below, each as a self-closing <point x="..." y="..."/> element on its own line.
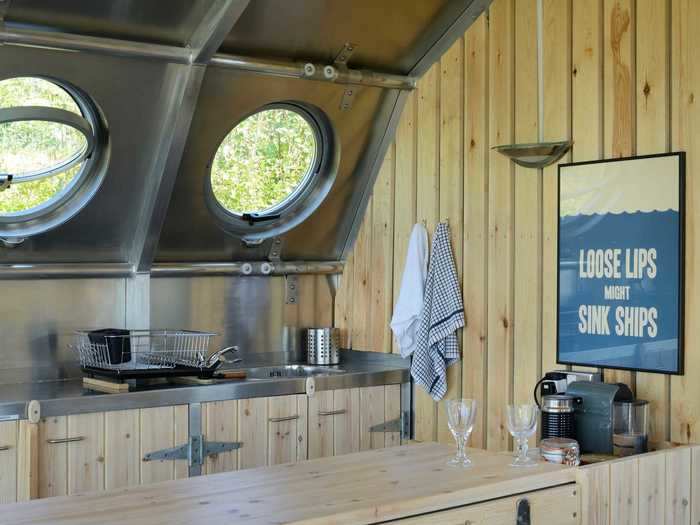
<point x="52" y="154"/>
<point x="271" y="171"/>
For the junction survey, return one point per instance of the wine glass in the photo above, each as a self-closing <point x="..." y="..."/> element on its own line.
<point x="461" y="414"/>
<point x="522" y="423"/>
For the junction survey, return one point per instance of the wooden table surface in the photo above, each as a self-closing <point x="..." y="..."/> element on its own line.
<point x="361" y="488"/>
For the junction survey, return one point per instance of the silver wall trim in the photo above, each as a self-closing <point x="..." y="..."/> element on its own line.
<point x="246" y="268"/>
<point x="181" y="55"/>
<point x="180" y="107"/>
<point x="375" y="155"/>
<point x="308" y="70"/>
<point x="454" y="31"/>
<point x="212" y="31"/>
<point x="53" y="271"/>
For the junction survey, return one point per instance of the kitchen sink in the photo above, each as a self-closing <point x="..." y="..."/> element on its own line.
<point x="270" y="372"/>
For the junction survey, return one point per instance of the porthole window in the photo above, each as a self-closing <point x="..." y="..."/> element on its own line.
<point x="271" y="170"/>
<point x="51" y="145"/>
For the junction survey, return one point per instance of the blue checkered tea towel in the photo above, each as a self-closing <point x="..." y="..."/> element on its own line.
<point x="442" y="316"/>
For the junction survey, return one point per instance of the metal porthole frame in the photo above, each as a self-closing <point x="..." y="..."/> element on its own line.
<point x="303" y="201"/>
<point x="61" y="207"/>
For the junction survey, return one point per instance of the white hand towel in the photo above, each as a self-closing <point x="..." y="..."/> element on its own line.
<point x="409" y="306"/>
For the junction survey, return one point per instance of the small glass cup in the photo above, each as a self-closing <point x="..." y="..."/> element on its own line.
<point x="461" y="414"/>
<point x="522" y="423"/>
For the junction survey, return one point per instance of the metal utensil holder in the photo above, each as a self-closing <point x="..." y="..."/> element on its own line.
<point x="322" y="346"/>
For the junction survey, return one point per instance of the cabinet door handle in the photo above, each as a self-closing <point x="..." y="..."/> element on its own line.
<point x="333" y="412"/>
<point x="3" y="448"/>
<point x="280" y="419"/>
<point x="65" y="440"/>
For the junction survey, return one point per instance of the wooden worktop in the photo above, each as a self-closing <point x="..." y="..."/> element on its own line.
<point x="362" y="488"/>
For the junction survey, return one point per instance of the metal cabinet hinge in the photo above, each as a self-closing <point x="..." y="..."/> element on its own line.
<point x="402" y="425"/>
<point x="194" y="452"/>
<point x="522" y="508"/>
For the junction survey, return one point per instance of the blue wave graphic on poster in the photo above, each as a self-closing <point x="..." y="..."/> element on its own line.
<point x="590" y="320"/>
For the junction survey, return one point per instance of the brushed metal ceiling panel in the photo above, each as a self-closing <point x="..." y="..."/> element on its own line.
<point x="388" y="33"/>
<point x="133" y="110"/>
<point x="190" y="233"/>
<point x="155" y="21"/>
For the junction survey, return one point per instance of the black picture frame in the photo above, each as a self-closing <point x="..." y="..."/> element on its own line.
<point x="680" y="360"/>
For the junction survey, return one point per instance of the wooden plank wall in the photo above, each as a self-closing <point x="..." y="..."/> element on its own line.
<point x="655" y="488"/>
<point x="618" y="78"/>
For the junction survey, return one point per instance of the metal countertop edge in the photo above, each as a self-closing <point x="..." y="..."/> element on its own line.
<point x="183" y="395"/>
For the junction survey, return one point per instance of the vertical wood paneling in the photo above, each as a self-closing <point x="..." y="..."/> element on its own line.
<point x="594" y="481"/>
<point x="282" y="445"/>
<point x="404" y="191"/>
<point x="321" y="439"/>
<point x="157" y="432"/>
<point x="652" y="55"/>
<point x="451" y="188"/>
<point x="392" y="411"/>
<point x="624" y="492"/>
<point x="382" y="256"/>
<point x="685" y="120"/>
<point x="652" y="489"/>
<point x="371" y="413"/>
<point x="220" y="424"/>
<point x="343" y="304"/>
<point x="122" y="449"/>
<point x="527" y="301"/>
<point x="86" y="458"/>
<point x="252" y="432"/>
<point x="476" y="222"/>
<point x="361" y="290"/>
<point x="695" y="486"/>
<point x="678" y="486"/>
<point x="556" y="73"/>
<point x="500" y="278"/>
<point x="8" y="462"/>
<point x="28" y="449"/>
<point x="53" y="458"/>
<point x="346" y="426"/>
<point x="619" y="93"/>
<point x="427" y="209"/>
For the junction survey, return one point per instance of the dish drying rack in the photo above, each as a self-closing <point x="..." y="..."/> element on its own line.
<point x="147" y="353"/>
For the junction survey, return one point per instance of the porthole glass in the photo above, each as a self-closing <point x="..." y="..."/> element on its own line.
<point x="51" y="141"/>
<point x="264" y="161"/>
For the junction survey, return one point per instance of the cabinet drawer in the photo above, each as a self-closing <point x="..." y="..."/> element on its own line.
<point x="556" y="506"/>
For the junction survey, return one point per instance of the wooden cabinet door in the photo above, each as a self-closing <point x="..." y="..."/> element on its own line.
<point x="334" y="423"/>
<point x="161" y="428"/>
<point x="71" y="454"/>
<point x="220" y="423"/>
<point x="252" y="432"/>
<point x="557" y="506"/>
<point x="379" y="405"/>
<point x="287" y="429"/>
<point x="8" y="461"/>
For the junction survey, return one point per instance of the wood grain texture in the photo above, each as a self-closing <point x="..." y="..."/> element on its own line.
<point x="527" y="309"/>
<point x="652" y="489"/>
<point x="500" y="278"/>
<point x="157" y="431"/>
<point x="282" y="435"/>
<point x="685" y="120"/>
<point x="321" y="433"/>
<point x="624" y="492"/>
<point x="363" y="488"/>
<point x="122" y="449"/>
<point x="86" y="458"/>
<point x="346" y="426"/>
<point x="556" y="73"/>
<point x="451" y="201"/>
<point x="361" y="291"/>
<point x="252" y="432"/>
<point x="371" y="413"/>
<point x="27" y="461"/>
<point x="474" y="373"/>
<point x="392" y="411"/>
<point x="8" y="461"/>
<point x="678" y="486"/>
<point x="428" y="209"/>
<point x="594" y="481"/>
<point x="220" y="423"/>
<point x="53" y="458"/>
<point x="695" y="485"/>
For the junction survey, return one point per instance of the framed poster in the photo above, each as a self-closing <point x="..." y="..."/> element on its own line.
<point x="621" y="263"/>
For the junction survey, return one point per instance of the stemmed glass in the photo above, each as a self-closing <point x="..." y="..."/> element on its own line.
<point x="522" y="423"/>
<point x="461" y="414"/>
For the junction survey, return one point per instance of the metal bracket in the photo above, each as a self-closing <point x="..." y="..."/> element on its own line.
<point x="344" y="54"/>
<point x="291" y="295"/>
<point x="522" y="512"/>
<point x="194" y="452"/>
<point x="275" y="250"/>
<point x="5" y="182"/>
<point x="401" y="425"/>
<point x="348" y="97"/>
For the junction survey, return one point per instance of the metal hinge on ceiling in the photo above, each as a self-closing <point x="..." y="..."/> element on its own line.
<point x="194" y="452"/>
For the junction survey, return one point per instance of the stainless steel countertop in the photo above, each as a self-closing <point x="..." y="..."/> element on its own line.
<point x="58" y="398"/>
